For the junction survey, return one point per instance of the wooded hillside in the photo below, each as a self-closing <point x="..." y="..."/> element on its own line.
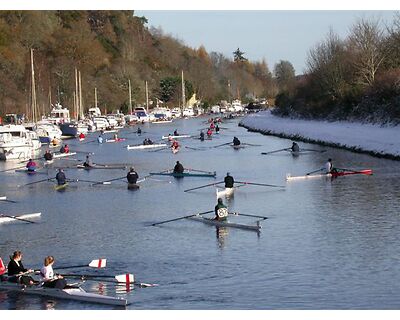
<point x="109" y="48"/>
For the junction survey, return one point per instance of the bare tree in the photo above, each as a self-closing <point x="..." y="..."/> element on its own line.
<point x="366" y="43"/>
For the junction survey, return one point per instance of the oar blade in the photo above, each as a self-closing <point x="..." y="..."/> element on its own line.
<point x="98" y="263"/>
<point x="127" y="278"/>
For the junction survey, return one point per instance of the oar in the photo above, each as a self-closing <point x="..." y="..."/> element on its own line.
<point x="97" y="263"/>
<point x="350" y="170"/>
<point x="30" y="183"/>
<point x="15" y="168"/>
<point x="190" y="169"/>
<point x="11" y="201"/>
<point x="224" y="144"/>
<point x="109" y="181"/>
<point x="206" y="185"/>
<point x="88" y="181"/>
<point x="260" y="184"/>
<point x="251" y="144"/>
<point x="192" y="215"/>
<point x="126" y="278"/>
<point x="275" y="151"/>
<point x="159" y="149"/>
<point x="307" y="174"/>
<point x="16" y="218"/>
<point x="247" y="215"/>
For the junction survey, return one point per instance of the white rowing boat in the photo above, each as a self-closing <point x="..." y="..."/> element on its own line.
<point x="62" y="155"/>
<point x="10" y="218"/>
<point x="3" y="198"/>
<point x="330" y="175"/>
<point x="77" y="294"/>
<point x="213" y="222"/>
<point x="176" y="137"/>
<point x="146" y="146"/>
<point x="227" y="192"/>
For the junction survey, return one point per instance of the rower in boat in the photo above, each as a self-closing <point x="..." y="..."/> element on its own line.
<point x="81" y="136"/>
<point x="175" y="146"/>
<point x="201" y="135"/>
<point x="64" y="149"/>
<point x="236" y="141"/>
<point x="295" y="147"/>
<point x="329" y="167"/>
<point x="51" y="280"/>
<point x="178" y="168"/>
<point x="60" y="177"/>
<point x="139" y="131"/>
<point x="229" y="181"/>
<point x="221" y="211"/>
<point x="212" y="125"/>
<point x="176" y="132"/>
<point x="100" y="139"/>
<point x="209" y="133"/>
<point x="88" y="162"/>
<point x="55" y="142"/>
<point x="48" y="156"/>
<point x="31" y="166"/>
<point x="132" y="178"/>
<point x="16" y="270"/>
<point x="170" y="138"/>
<point x="147" y="142"/>
<point x="217" y="129"/>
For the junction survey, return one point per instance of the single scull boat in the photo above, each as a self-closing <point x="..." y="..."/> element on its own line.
<point x="218" y="223"/>
<point x="329" y="175"/>
<point x="184" y="174"/>
<point x="145" y="146"/>
<point x="176" y="137"/>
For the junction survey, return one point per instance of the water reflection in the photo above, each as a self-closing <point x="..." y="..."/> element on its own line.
<point x="222" y="233"/>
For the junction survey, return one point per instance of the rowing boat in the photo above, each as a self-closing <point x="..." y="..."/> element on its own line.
<point x="62" y="155"/>
<point x="329" y="175"/>
<point x="3" y="198"/>
<point x="77" y="294"/>
<point x="61" y="186"/>
<point x="115" y="140"/>
<point x="213" y="222"/>
<point x="147" y="146"/>
<point x="227" y="192"/>
<point x="184" y="174"/>
<point x="28" y="172"/>
<point x="237" y="146"/>
<point x="133" y="186"/>
<point x="176" y="137"/>
<point x="4" y="219"/>
<point x="100" y="166"/>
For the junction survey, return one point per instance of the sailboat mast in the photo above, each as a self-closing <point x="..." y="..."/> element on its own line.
<point x="80" y="113"/>
<point x="95" y="97"/>
<point x="76" y="100"/>
<point x="130" y="96"/>
<point x="183" y="95"/>
<point x="33" y="102"/>
<point x="147" y="97"/>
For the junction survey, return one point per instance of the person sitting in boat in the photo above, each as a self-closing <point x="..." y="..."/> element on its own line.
<point x="100" y="139"/>
<point x="209" y="132"/>
<point x="139" y="131"/>
<point x="132" y="176"/>
<point x="149" y="141"/>
<point x="55" y="142"/>
<point x="31" y="165"/>
<point x="51" y="280"/>
<point x="175" y="145"/>
<point x="16" y="270"/>
<point x="295" y="147"/>
<point x="216" y="128"/>
<point x="48" y="156"/>
<point x="329" y="167"/>
<point x="178" y="168"/>
<point x="81" y="136"/>
<point x="88" y="162"/>
<point x="221" y="211"/>
<point x="229" y="181"/>
<point x="212" y="125"/>
<point x="60" y="177"/>
<point x="236" y="141"/>
<point x="170" y="138"/>
<point x="116" y="137"/>
<point x="176" y="133"/>
<point x="201" y="135"/>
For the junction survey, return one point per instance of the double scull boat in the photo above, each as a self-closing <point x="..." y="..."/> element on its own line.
<point x="330" y="175"/>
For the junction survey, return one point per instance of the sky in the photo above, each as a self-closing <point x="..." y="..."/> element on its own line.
<point x="262" y="34"/>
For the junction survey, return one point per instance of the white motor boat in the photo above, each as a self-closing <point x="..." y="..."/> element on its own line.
<point x="15" y="143"/>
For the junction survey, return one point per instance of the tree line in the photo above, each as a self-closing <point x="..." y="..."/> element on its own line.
<point x="356" y="78"/>
<point x="111" y="48"/>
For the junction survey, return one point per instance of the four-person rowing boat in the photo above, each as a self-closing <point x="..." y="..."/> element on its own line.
<point x="330" y="175"/>
<point x="77" y="294"/>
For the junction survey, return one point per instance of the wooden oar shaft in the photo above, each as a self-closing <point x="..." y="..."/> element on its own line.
<point x="260" y="184"/>
<point x="192" y="215"/>
<point x="16" y="218"/>
<point x="207" y="185"/>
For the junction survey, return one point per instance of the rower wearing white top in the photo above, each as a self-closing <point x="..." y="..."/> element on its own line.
<point x="328" y="166"/>
<point x="49" y="279"/>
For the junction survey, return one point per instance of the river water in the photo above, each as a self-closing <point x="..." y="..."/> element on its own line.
<point x="327" y="244"/>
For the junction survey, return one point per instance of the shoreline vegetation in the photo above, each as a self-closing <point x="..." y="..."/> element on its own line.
<point x="375" y="140"/>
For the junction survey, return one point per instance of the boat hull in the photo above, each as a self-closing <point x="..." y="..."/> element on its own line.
<point x="176" y="137"/>
<point x="69" y="129"/>
<point x="185" y="174"/>
<point x="4" y="219"/>
<point x="133" y="186"/>
<point x="329" y="175"/>
<point x="218" y="223"/>
<point x="148" y="146"/>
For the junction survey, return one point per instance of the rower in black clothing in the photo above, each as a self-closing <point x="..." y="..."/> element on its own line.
<point x="221" y="211"/>
<point x="229" y="181"/>
<point x="201" y="135"/>
<point x="60" y="177"/>
<point x="48" y="156"/>
<point x="178" y="168"/>
<point x="236" y="141"/>
<point x="295" y="147"/>
<point x="216" y="129"/>
<point x="132" y="176"/>
<point x="176" y="133"/>
<point x="88" y="162"/>
<point x="16" y="269"/>
<point x="139" y="131"/>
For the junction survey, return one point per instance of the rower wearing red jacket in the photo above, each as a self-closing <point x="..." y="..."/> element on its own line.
<point x="81" y="136"/>
<point x="209" y="132"/>
<point x="31" y="165"/>
<point x="175" y="145"/>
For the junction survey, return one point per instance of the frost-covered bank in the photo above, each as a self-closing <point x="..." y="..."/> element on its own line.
<point x="367" y="138"/>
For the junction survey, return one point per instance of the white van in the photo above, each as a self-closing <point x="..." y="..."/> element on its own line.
<point x="101" y="123"/>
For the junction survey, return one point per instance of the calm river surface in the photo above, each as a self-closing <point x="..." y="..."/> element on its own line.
<point x="328" y="244"/>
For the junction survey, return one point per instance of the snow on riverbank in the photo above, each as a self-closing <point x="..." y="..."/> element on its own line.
<point x="366" y="138"/>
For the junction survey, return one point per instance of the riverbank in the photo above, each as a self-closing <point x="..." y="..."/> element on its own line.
<point x="379" y="141"/>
